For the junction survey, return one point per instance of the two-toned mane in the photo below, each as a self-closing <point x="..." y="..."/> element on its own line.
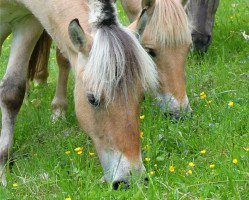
<point x="116" y="59"/>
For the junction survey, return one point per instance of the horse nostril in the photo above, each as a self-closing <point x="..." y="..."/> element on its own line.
<point x="123" y="184"/>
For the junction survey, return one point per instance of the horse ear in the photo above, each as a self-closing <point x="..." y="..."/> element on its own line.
<point x="142" y="22"/>
<point x="148" y="3"/>
<point x="77" y="35"/>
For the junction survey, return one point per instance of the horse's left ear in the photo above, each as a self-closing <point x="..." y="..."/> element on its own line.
<point x="142" y="22"/>
<point x="77" y="35"/>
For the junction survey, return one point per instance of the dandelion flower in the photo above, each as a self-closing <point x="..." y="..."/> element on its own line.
<point x="203" y="95"/>
<point x="79" y="152"/>
<point x="78" y="149"/>
<point x="142" y="117"/>
<point x="190" y="171"/>
<point x="191" y="164"/>
<point x="231" y="104"/>
<point x="141" y="134"/>
<point x="68" y="198"/>
<point x="212" y="166"/>
<point x="147" y="159"/>
<point x="235" y="161"/>
<point x="67" y="152"/>
<point x="152" y="172"/>
<point x="210" y="101"/>
<point x="155" y="165"/>
<point x="171" y="168"/>
<point x="203" y="151"/>
<point x="91" y="154"/>
<point x="15" y="185"/>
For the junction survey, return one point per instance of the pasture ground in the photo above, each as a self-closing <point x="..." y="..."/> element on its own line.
<point x="43" y="170"/>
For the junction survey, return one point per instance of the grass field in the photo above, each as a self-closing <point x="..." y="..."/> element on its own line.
<point x="191" y="159"/>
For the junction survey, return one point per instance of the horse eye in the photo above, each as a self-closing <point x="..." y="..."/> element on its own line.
<point x="151" y="52"/>
<point x="92" y="100"/>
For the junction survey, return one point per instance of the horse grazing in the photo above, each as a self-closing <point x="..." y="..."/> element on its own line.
<point x="201" y="14"/>
<point x="165" y="34"/>
<point x="112" y="71"/>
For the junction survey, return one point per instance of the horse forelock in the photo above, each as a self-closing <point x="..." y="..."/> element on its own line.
<point x="118" y="66"/>
<point x="169" y="24"/>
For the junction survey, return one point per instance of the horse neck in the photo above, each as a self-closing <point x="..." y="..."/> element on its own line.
<point x="55" y="17"/>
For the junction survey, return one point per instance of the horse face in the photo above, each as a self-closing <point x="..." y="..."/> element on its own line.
<point x="201" y="14"/>
<point x="113" y="125"/>
<point x="114" y="130"/>
<point x="170" y="61"/>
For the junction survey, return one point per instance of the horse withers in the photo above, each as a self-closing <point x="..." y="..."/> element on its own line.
<point x="112" y="71"/>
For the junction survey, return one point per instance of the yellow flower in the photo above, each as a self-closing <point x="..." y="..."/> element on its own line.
<point x="246" y="149"/>
<point x="210" y="101"/>
<point x="171" y="168"/>
<point x="191" y="164"/>
<point x="78" y="149"/>
<point x="141" y="134"/>
<point x="190" y="171"/>
<point x="203" y="95"/>
<point x="231" y="104"/>
<point x="15" y="185"/>
<point x="152" y="172"/>
<point x="67" y="152"/>
<point x="146" y="147"/>
<point x="203" y="151"/>
<point x="235" y="161"/>
<point x="142" y="117"/>
<point x="212" y="166"/>
<point x="79" y="152"/>
<point x="68" y="198"/>
<point x="91" y="154"/>
<point x="155" y="165"/>
<point x="147" y="159"/>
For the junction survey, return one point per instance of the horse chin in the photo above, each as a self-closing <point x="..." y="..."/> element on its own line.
<point x="118" y="169"/>
<point x="177" y="110"/>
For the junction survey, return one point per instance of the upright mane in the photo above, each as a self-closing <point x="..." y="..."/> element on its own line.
<point x="117" y="63"/>
<point x="169" y="23"/>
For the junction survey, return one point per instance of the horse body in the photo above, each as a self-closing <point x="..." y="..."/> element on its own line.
<point x="110" y="78"/>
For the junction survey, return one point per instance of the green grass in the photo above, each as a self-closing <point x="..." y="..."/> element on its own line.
<point x="42" y="170"/>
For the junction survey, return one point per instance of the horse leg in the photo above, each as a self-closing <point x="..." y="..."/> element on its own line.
<point x="5" y="30"/>
<point x="12" y="87"/>
<point x="59" y="103"/>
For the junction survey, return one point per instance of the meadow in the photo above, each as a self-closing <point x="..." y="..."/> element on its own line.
<point x="203" y="157"/>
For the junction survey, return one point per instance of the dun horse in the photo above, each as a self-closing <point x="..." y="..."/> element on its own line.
<point x="163" y="29"/>
<point x="112" y="71"/>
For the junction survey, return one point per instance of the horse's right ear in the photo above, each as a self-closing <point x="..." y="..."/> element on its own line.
<point x="77" y="35"/>
<point x="148" y="3"/>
